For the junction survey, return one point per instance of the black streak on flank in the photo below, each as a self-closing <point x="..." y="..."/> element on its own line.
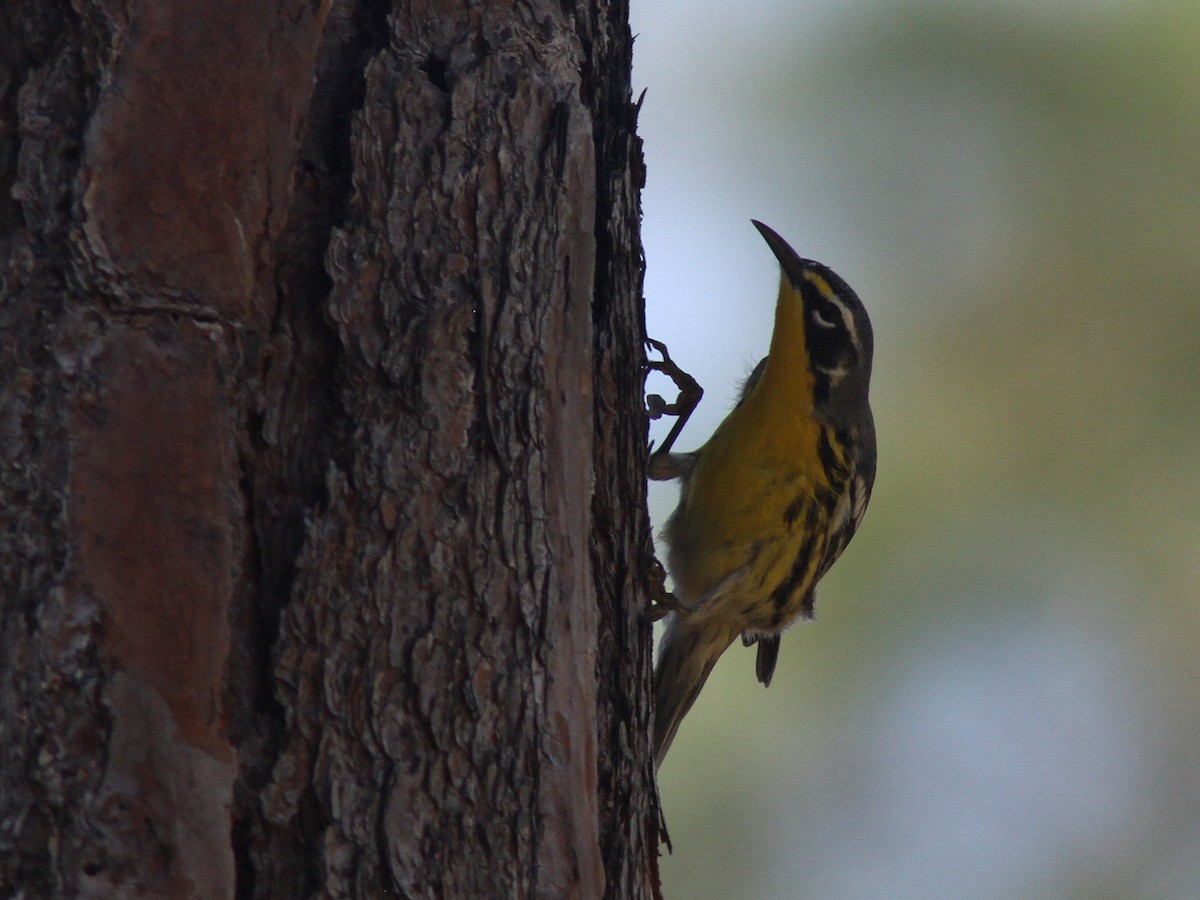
<point x="835" y="470"/>
<point x="800" y="568"/>
<point x="792" y="513"/>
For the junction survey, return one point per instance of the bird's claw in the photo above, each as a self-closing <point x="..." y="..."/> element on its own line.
<point x="662" y="601"/>
<point x="690" y="393"/>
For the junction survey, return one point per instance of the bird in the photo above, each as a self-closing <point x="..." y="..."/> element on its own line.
<point x="771" y="500"/>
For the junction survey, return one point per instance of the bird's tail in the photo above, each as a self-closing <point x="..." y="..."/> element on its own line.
<point x="687" y="653"/>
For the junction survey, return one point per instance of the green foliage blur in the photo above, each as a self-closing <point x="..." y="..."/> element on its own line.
<point x="1000" y="695"/>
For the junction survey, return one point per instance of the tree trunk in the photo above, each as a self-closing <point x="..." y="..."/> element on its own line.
<point x="323" y="452"/>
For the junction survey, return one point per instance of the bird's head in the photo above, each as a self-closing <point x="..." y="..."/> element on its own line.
<point x="838" y="341"/>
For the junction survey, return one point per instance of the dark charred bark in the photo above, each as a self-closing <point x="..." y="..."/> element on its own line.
<point x="323" y="452"/>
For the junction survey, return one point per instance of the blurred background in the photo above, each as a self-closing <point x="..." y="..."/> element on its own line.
<point x="1000" y="696"/>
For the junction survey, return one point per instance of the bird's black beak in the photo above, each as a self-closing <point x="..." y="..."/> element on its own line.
<point x="794" y="265"/>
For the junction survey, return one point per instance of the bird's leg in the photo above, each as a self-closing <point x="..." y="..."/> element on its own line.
<point x="664" y="465"/>
<point x="662" y="601"/>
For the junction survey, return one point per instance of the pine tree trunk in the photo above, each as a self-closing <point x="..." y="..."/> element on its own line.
<point x="322" y="472"/>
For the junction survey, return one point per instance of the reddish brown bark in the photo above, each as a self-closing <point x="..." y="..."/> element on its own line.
<point x="324" y="518"/>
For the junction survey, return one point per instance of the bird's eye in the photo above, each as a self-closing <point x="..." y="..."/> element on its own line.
<point x="820" y="320"/>
<point x="830" y="344"/>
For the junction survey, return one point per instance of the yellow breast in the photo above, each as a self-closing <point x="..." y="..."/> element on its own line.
<point x="754" y="479"/>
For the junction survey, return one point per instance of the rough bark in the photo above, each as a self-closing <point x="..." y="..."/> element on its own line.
<point x="323" y="493"/>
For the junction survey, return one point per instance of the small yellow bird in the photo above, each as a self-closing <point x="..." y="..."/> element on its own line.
<point x="770" y="501"/>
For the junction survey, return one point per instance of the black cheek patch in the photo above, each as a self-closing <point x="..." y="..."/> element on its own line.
<point x="829" y="344"/>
